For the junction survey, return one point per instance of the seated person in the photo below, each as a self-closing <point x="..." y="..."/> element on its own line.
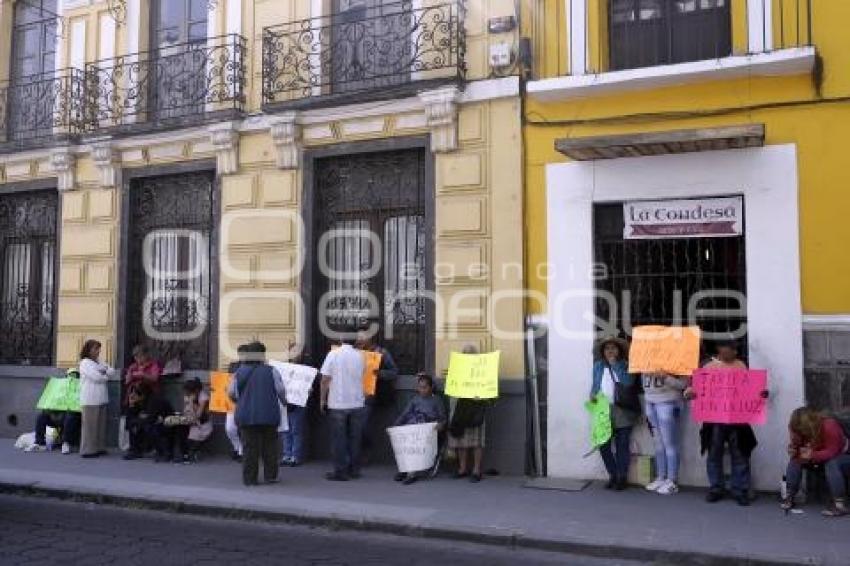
<point x="425" y="407"/>
<point x="144" y="369"/>
<point x="146" y="413"/>
<point x="189" y="429"/>
<point x="67" y="424"/>
<point x="817" y="439"/>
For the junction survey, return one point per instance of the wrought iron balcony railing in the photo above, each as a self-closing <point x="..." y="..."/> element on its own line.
<point x="41" y="108"/>
<point x="174" y="85"/>
<point x="364" y="54"/>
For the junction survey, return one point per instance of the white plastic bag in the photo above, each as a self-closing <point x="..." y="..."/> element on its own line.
<point x="24" y="441"/>
<point x="123" y="435"/>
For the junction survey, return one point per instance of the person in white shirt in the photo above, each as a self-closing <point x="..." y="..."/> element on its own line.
<point x="343" y="398"/>
<point x="94" y="400"/>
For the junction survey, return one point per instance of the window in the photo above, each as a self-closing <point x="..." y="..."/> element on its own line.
<point x="31" y="94"/>
<point x="180" y="38"/>
<point x="645" y="33"/>
<point x="28" y="252"/>
<point x="169" y="268"/>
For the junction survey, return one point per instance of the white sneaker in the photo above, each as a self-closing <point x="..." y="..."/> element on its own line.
<point x="655" y="485"/>
<point x="66" y="448"/>
<point x="669" y="488"/>
<point x="36" y="448"/>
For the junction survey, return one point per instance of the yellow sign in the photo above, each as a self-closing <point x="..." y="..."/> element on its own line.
<point x="473" y="376"/>
<point x="665" y="349"/>
<point x="219" y="399"/>
<point x="372" y="363"/>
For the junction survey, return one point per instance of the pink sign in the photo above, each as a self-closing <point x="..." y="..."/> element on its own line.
<point x="729" y="396"/>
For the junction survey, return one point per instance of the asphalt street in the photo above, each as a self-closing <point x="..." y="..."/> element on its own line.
<point x="46" y="531"/>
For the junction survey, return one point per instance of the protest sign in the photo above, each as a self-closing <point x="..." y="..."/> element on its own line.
<point x="600" y="420"/>
<point x="60" y="394"/>
<point x="372" y="361"/>
<point x="729" y="396"/>
<point x="664" y="349"/>
<point x="415" y="446"/>
<point x="298" y="381"/>
<point x="219" y="399"/>
<point x="473" y="376"/>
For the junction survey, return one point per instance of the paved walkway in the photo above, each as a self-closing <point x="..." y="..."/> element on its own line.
<point x="632" y="524"/>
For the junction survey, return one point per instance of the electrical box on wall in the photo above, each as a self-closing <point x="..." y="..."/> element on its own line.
<point x="504" y="24"/>
<point x="501" y="55"/>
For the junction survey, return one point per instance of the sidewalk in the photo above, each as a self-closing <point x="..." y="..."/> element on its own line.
<point x="634" y="524"/>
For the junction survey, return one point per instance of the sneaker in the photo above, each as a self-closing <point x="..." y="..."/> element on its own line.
<point x="66" y="448"/>
<point x="668" y="488"/>
<point x="653" y="486"/>
<point x="36" y="448"/>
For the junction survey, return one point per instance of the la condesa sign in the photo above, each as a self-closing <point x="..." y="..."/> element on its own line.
<point x="691" y="218"/>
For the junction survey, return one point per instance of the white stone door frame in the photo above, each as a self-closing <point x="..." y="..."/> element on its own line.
<point x="767" y="178"/>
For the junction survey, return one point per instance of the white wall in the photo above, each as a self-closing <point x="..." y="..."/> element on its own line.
<point x="767" y="177"/>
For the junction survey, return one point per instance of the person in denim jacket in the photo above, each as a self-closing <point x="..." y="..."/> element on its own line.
<point x="611" y="367"/>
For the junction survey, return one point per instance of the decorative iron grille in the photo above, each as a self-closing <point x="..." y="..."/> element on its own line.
<point x="28" y="255"/>
<point x="371" y="237"/>
<point x="653" y="281"/>
<point x="378" y="49"/>
<point x="40" y="107"/>
<point x="187" y="82"/>
<point x="170" y="267"/>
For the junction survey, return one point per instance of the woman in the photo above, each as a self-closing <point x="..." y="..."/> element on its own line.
<point x="817" y="439"/>
<point x="664" y="395"/>
<point x="611" y="377"/>
<point x="146" y="412"/>
<point x="424" y="407"/>
<point x="467" y="432"/>
<point x="193" y="426"/>
<point x="144" y="369"/>
<point x="94" y="399"/>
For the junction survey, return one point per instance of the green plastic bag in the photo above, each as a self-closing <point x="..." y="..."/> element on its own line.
<point x="60" y="394"/>
<point x="601" y="428"/>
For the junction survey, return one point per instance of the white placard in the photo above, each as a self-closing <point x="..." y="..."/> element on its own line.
<point x="691" y="218"/>
<point x="297" y="379"/>
<point x="415" y="446"/>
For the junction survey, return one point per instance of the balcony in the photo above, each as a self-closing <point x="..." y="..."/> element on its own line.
<point x="174" y="86"/>
<point x="640" y="44"/>
<point x="371" y="54"/>
<point x="42" y="109"/>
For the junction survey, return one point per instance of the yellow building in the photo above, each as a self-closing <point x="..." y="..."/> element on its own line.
<point x="641" y="118"/>
<point x="195" y="174"/>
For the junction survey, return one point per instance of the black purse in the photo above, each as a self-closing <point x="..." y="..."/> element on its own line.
<point x="626" y="397"/>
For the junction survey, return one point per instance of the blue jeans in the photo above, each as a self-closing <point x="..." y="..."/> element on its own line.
<point x="722" y="435"/>
<point x="346" y="438"/>
<point x="293" y="439"/>
<point x="68" y="424"/>
<point x="837" y="471"/>
<point x="617" y="463"/>
<point x="664" y="418"/>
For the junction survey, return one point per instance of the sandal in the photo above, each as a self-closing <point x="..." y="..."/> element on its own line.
<point x="835" y="510"/>
<point x="787" y="504"/>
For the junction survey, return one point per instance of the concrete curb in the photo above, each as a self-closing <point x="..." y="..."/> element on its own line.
<point x="615" y="550"/>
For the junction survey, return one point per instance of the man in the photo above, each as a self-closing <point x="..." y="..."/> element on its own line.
<point x="714" y="437"/>
<point x="66" y="422"/>
<point x="342" y="396"/>
<point x="384" y="388"/>
<point x="258" y="391"/>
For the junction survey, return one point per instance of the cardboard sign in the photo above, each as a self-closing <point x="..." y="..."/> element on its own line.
<point x="473" y="376"/>
<point x="219" y="399"/>
<point x="665" y="349"/>
<point x="414" y="446"/>
<point x="372" y="361"/>
<point x="601" y="427"/>
<point x="729" y="396"/>
<point x="60" y="394"/>
<point x="298" y="381"/>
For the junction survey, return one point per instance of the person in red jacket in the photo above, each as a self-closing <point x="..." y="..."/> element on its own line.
<point x="144" y="369"/>
<point x="817" y="439"/>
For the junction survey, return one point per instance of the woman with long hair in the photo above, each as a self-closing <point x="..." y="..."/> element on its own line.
<point x="94" y="400"/>
<point x="818" y="439"/>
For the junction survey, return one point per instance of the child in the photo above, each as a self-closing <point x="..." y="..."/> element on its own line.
<point x="425" y="407"/>
<point x="193" y="426"/>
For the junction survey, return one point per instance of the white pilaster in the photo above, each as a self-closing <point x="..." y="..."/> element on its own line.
<point x="224" y="138"/>
<point x="62" y="163"/>
<point x="576" y="14"/>
<point x="760" y="25"/>
<point x="286" y="134"/>
<point x="441" y="113"/>
<point x="108" y="163"/>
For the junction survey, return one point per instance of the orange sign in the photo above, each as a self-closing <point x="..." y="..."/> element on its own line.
<point x="219" y="399"/>
<point x="372" y="362"/>
<point x="665" y="349"/>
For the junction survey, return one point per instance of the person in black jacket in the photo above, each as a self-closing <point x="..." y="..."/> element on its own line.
<point x="146" y="411"/>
